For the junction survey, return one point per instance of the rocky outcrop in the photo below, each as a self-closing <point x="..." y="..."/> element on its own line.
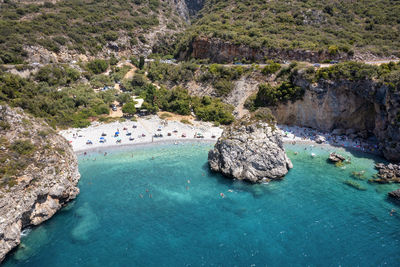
<point x="395" y="194"/>
<point x="251" y="149"/>
<point x="220" y="51"/>
<point x="334" y="157"/>
<point x="38" y="174"/>
<point x="361" y="108"/>
<point x="387" y="173"/>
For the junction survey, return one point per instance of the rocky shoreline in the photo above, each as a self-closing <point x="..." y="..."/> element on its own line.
<point x="45" y="184"/>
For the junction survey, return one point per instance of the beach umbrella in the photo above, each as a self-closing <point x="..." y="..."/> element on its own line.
<point x="116" y="132"/>
<point x="101" y="138"/>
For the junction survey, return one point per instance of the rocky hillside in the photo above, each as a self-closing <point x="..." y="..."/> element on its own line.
<point x="315" y="31"/>
<point x="251" y="149"/>
<point x="38" y="174"/>
<point x="62" y="31"/>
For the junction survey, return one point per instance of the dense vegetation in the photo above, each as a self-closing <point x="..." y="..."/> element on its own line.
<point x="179" y="101"/>
<point x="60" y="95"/>
<point x="81" y="26"/>
<point x="332" y="26"/>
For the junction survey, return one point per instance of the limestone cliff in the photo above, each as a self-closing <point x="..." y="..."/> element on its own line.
<point x="363" y="107"/>
<point x="38" y="174"/>
<point x="251" y="149"/>
<point x="220" y="51"/>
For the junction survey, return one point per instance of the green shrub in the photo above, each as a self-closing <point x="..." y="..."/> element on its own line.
<point x="97" y="66"/>
<point x="23" y="147"/>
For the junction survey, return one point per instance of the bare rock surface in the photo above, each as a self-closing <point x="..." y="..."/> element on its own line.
<point x="251" y="149"/>
<point x="389" y="173"/>
<point x="334" y="157"/>
<point x="38" y="174"/>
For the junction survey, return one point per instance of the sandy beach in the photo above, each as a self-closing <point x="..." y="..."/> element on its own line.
<point x="295" y="134"/>
<point x="142" y="131"/>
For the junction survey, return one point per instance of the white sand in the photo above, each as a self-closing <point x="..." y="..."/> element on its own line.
<point x="307" y="135"/>
<point x="150" y="125"/>
<point x="147" y="126"/>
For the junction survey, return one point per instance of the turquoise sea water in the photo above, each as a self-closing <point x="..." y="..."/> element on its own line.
<point x="309" y="218"/>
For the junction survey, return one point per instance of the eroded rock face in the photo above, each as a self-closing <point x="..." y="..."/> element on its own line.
<point x="356" y="108"/>
<point x="220" y="51"/>
<point x="251" y="150"/>
<point x="47" y="181"/>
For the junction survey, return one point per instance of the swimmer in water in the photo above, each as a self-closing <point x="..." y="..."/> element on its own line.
<point x="147" y="190"/>
<point x="188" y="181"/>
<point x="230" y="190"/>
<point x="141" y="196"/>
<point x="222" y="195"/>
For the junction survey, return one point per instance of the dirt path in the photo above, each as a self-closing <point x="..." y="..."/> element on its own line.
<point x="130" y="73"/>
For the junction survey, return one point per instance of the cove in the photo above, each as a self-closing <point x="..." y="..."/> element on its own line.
<point x="160" y="206"/>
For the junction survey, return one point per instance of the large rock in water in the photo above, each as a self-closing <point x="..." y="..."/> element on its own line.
<point x="38" y="176"/>
<point x="395" y="194"/>
<point x="251" y="149"/>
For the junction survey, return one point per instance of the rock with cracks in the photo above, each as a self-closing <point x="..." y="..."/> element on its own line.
<point x="252" y="150"/>
<point x="38" y="177"/>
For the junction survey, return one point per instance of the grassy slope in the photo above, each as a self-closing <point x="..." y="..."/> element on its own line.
<point x="81" y="26"/>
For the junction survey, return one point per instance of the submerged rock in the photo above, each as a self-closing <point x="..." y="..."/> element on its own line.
<point x="251" y="149"/>
<point x="41" y="174"/>
<point x="334" y="157"/>
<point x="395" y="194"/>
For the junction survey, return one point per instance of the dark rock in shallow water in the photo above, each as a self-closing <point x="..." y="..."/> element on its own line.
<point x="387" y="173"/>
<point x="334" y="157"/>
<point x="251" y="149"/>
<point x="395" y="194"/>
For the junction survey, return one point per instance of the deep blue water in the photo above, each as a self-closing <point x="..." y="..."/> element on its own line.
<point x="309" y="218"/>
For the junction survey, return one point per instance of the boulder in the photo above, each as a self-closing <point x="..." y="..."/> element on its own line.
<point x="389" y="173"/>
<point x="251" y="149"/>
<point x="334" y="157"/>
<point x="320" y="139"/>
<point x="395" y="194"/>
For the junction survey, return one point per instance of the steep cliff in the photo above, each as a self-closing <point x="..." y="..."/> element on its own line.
<point x="38" y="174"/>
<point x="365" y="107"/>
<point x="220" y="51"/>
<point x="251" y="149"/>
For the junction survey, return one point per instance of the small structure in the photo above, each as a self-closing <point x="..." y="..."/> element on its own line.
<point x="143" y="112"/>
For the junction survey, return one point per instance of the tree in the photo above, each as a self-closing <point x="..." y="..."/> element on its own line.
<point x="141" y="62"/>
<point x="97" y="66"/>
<point x="129" y="108"/>
<point x="124" y="98"/>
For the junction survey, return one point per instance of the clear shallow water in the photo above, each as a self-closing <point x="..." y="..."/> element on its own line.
<point x="310" y="218"/>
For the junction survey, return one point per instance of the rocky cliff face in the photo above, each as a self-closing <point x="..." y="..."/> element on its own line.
<point x="221" y="52"/>
<point x="38" y="174"/>
<point x="251" y="149"/>
<point x="364" y="107"/>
